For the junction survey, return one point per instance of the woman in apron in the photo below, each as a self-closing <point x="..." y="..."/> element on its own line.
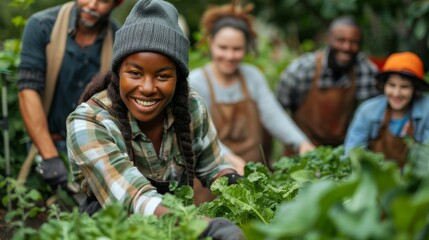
<point x="381" y="123"/>
<point x="237" y="95"/>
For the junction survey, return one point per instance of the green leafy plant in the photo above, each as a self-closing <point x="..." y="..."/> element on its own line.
<point x="253" y="197"/>
<point x="26" y="204"/>
<point x="373" y="202"/>
<point x="113" y="222"/>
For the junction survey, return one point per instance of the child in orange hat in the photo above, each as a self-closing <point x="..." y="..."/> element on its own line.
<point x="381" y="123"/>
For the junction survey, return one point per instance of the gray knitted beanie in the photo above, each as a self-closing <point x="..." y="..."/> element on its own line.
<point x="152" y="26"/>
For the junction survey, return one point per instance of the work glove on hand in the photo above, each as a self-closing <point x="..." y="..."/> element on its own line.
<point x="54" y="172"/>
<point x="222" y="229"/>
<point x="232" y="178"/>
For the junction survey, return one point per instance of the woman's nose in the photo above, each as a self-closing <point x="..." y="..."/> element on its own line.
<point x="147" y="86"/>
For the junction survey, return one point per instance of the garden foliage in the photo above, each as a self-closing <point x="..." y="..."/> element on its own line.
<point x="319" y="195"/>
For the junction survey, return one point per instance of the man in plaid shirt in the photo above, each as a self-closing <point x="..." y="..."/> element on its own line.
<point x="321" y="89"/>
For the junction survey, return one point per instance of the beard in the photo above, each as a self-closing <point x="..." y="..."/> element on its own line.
<point x="100" y="19"/>
<point x="340" y="68"/>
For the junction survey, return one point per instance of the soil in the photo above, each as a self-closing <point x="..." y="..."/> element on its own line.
<point x="6" y="232"/>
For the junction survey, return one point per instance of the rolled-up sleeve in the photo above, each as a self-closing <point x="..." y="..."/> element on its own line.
<point x="32" y="67"/>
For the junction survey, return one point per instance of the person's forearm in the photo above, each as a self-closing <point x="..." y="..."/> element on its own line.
<point x="161" y="210"/>
<point x="36" y="123"/>
<point x="281" y="126"/>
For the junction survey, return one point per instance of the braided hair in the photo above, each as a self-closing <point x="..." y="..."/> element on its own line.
<point x="182" y="116"/>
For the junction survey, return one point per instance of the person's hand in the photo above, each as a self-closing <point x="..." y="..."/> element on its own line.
<point x="306" y="147"/>
<point x="54" y="172"/>
<point x="222" y="229"/>
<point x="237" y="162"/>
<point x="232" y="177"/>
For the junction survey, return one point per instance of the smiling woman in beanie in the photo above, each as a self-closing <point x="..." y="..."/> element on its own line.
<point x="139" y="127"/>
<point x="381" y="123"/>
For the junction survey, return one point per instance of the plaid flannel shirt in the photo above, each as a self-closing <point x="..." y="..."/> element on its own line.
<point x="97" y="146"/>
<point x="295" y="81"/>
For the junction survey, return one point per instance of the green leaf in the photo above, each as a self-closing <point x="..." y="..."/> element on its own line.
<point x="420" y="29"/>
<point x="34" y="195"/>
<point x="303" y="176"/>
<point x="361" y="224"/>
<point x="11" y="214"/>
<point x="410" y="212"/>
<point x="35" y="210"/>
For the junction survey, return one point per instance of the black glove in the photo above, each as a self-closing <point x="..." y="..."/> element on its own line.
<point x="54" y="172"/>
<point x="232" y="178"/>
<point x="222" y="229"/>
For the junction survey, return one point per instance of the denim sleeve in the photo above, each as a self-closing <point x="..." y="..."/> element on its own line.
<point x="359" y="131"/>
<point x="32" y="68"/>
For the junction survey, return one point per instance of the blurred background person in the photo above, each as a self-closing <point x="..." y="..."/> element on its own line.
<point x="63" y="47"/>
<point x="237" y="94"/>
<point x="381" y="123"/>
<point x="321" y="89"/>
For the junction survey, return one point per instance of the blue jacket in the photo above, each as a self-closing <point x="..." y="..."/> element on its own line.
<point x="369" y="117"/>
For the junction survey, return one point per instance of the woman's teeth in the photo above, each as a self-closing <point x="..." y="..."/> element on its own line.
<point x="145" y="103"/>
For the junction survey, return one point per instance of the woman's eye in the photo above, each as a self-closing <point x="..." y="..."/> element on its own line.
<point x="134" y="73"/>
<point x="164" y="76"/>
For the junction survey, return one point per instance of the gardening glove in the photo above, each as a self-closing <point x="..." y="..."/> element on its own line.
<point x="222" y="229"/>
<point x="54" y="172"/>
<point x="232" y="178"/>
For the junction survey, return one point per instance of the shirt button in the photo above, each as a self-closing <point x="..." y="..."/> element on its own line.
<point x="80" y="84"/>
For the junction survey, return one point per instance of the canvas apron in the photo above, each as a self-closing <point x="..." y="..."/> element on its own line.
<point x="238" y="127"/>
<point x="325" y="113"/>
<point x="393" y="147"/>
<point x="238" y="124"/>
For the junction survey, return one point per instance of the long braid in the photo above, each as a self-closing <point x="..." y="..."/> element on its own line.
<point x="120" y="111"/>
<point x="182" y="120"/>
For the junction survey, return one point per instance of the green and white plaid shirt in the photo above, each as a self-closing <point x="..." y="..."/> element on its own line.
<point x="95" y="144"/>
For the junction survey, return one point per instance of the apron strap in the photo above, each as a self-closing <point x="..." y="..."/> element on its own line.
<point x="387" y="117"/>
<point x="55" y="52"/>
<point x="317" y="71"/>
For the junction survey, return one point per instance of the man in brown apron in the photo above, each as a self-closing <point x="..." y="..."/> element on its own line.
<point x="321" y="89"/>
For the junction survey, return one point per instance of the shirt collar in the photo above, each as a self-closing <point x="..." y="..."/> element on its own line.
<point x="167" y="124"/>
